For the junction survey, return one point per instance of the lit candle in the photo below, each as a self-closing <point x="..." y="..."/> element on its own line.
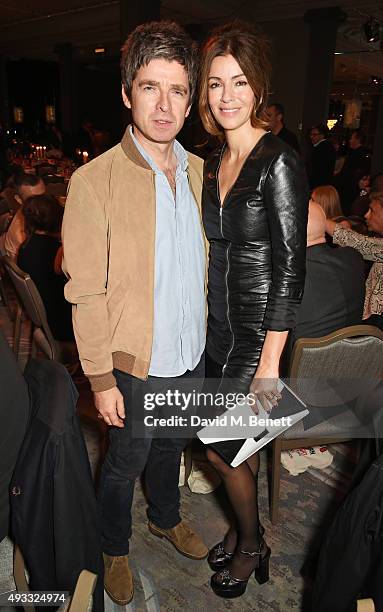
<point x="44" y="149"/>
<point x="85" y="156"/>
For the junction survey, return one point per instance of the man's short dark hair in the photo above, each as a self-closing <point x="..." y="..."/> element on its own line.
<point x="377" y="182"/>
<point x="24" y="179"/>
<point x="158" y="40"/>
<point x="43" y="213"/>
<point x="322" y="129"/>
<point x="280" y="109"/>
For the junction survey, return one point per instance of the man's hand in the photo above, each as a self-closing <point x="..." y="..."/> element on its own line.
<point x="110" y="406"/>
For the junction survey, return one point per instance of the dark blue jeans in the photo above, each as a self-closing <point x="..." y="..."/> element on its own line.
<point x="128" y="456"/>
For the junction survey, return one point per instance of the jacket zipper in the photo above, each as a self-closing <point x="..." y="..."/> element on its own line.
<point x="227" y="272"/>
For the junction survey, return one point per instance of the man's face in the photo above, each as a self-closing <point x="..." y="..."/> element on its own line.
<point x="315" y="136"/>
<point x="354" y="141"/>
<point x="274" y="118"/>
<point x="159" y="101"/>
<point x="27" y="191"/>
<point x="374" y="217"/>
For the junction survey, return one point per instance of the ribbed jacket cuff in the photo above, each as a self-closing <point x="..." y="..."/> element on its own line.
<point x="102" y="382"/>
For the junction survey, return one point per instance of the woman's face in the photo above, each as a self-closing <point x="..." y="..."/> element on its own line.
<point x="230" y="96"/>
<point x="374" y="217"/>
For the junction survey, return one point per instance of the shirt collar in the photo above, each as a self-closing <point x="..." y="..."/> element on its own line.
<point x="179" y="151"/>
<point x="318" y="143"/>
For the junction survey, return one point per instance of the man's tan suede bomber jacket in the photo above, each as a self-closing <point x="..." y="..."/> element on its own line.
<point x="109" y="240"/>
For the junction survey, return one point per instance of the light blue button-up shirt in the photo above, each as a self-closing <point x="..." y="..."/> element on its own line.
<point x="179" y="273"/>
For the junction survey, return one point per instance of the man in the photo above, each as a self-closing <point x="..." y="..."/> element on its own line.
<point x="321" y="163"/>
<point x="137" y="285"/>
<point x="275" y="113"/>
<point x="335" y="284"/>
<point x="26" y="186"/>
<point x="357" y="164"/>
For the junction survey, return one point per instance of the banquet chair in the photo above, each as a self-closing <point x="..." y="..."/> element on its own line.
<point x="3" y="291"/>
<point x="34" y="308"/>
<point x="354" y="352"/>
<point x="80" y="601"/>
<point x="15" y="314"/>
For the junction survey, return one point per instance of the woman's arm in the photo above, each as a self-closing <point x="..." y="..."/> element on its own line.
<point x="286" y="199"/>
<point x="370" y="248"/>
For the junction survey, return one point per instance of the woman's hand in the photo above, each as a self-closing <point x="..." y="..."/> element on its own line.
<point x="345" y="224"/>
<point x="264" y="387"/>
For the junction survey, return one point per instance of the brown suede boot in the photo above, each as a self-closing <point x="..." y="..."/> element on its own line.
<point x="183" y="538"/>
<point x="118" y="579"/>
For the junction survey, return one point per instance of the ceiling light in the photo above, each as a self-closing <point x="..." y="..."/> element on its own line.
<point x="371" y="30"/>
<point x="374" y="80"/>
<point x="331" y="123"/>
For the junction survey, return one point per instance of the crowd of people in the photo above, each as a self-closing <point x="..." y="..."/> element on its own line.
<point x="283" y="248"/>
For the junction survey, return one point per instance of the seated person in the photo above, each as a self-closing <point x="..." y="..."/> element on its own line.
<point x="328" y="198"/>
<point x="334" y="286"/>
<point x="39" y="255"/>
<point x="371" y="248"/>
<point x="26" y="185"/>
<point x="367" y="184"/>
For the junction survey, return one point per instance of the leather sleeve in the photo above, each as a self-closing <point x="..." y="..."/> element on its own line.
<point x="286" y="199"/>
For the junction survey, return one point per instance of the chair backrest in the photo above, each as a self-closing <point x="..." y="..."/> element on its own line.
<point x="33" y="305"/>
<point x="350" y="352"/>
<point x="339" y="365"/>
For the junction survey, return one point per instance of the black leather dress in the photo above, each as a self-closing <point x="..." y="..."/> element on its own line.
<point x="257" y="255"/>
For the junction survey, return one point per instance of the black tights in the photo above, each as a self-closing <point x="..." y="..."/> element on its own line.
<point x="241" y="484"/>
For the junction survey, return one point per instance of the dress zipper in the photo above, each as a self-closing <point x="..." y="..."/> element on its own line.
<point x="227" y="268"/>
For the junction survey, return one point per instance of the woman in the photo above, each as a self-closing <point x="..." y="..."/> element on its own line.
<point x="40" y="255"/>
<point x="255" y="214"/>
<point x="328" y="198"/>
<point x="371" y="248"/>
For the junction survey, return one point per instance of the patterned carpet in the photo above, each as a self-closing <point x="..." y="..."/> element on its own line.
<point x="166" y="581"/>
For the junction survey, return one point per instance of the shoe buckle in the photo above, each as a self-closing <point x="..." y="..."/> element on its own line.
<point x="251" y="554"/>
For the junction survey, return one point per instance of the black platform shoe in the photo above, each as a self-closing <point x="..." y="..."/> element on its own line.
<point x="225" y="585"/>
<point x="218" y="558"/>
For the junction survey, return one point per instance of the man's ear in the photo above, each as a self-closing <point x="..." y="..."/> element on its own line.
<point x="125" y="97"/>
